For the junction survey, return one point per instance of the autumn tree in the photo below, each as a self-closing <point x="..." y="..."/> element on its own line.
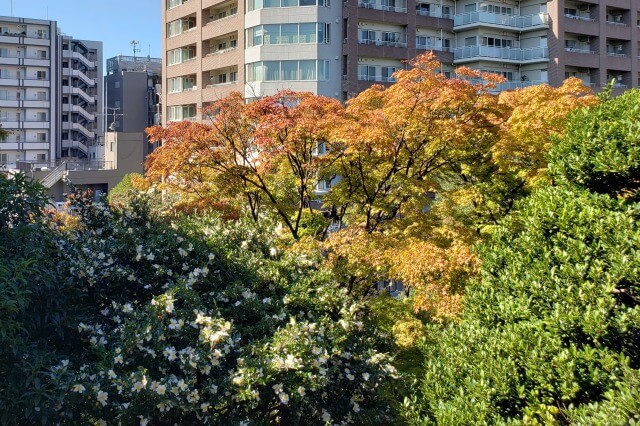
<point x="264" y="152"/>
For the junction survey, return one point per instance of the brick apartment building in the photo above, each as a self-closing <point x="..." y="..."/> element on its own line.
<point x="337" y="48"/>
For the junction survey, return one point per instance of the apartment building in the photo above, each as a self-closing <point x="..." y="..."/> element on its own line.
<point x="29" y="70"/>
<point x="132" y="96"/>
<point x="338" y="48"/>
<point x="49" y="92"/>
<point x="81" y="96"/>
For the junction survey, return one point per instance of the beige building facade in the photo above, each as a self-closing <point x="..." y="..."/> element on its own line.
<point x="339" y="48"/>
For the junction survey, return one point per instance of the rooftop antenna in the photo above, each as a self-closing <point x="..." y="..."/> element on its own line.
<point x="134" y="46"/>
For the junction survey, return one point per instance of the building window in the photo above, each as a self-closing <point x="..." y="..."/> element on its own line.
<point x="41" y="75"/>
<point x="260" y="4"/>
<point x="180" y="26"/>
<point x="42" y="137"/>
<point x="310" y="70"/>
<point x="41" y="157"/>
<point x="181" y="112"/>
<point x="116" y="85"/>
<point x="177" y="56"/>
<point x="174" y="3"/>
<point x="308" y="32"/>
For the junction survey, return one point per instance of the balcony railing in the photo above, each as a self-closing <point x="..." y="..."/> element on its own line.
<point x="586" y="50"/>
<point x="221" y="51"/>
<point x="620" y="24"/>
<point x="504" y="53"/>
<point x="376" y="78"/>
<point x="430" y="47"/>
<point x="382" y="43"/>
<point x="514" y="21"/>
<point x="433" y="14"/>
<point x="376" y="6"/>
<point x="580" y="17"/>
<point x="511" y="85"/>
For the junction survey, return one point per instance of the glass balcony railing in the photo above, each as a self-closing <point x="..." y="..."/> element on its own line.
<point x="431" y="47"/>
<point x="512" y="21"/>
<point x="376" y="78"/>
<point x="386" y="8"/>
<point x="503" y="53"/>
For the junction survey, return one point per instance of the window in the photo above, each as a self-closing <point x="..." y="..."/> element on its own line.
<point x="4" y="158"/>
<point x="308" y="32"/>
<point x="222" y="78"/>
<point x="4" y="95"/>
<point x="42" y="116"/>
<point x="42" y="54"/>
<point x="116" y="104"/>
<point x="309" y="70"/>
<point x="387" y="73"/>
<point x="4" y="52"/>
<point x="41" y="75"/>
<point x="470" y="41"/>
<point x="174" y="3"/>
<point x="259" y="4"/>
<point x="41" y="96"/>
<point x="41" y="157"/>
<point x="367" y="36"/>
<point x="177" y="56"/>
<point x="494" y="8"/>
<point x="233" y="76"/>
<point x="42" y="137"/>
<point x="423" y="42"/>
<point x="496" y="42"/>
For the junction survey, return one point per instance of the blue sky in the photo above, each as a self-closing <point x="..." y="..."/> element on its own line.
<point x="114" y="22"/>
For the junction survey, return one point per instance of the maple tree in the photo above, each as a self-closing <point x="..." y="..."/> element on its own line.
<point x="264" y="152"/>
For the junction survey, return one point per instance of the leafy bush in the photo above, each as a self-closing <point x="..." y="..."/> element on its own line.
<point x="550" y="332"/>
<point x="130" y="317"/>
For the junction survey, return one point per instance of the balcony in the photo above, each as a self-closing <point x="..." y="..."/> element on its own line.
<point x="432" y="14"/>
<point x="580" y="17"/>
<point x="386" y="8"/>
<point x="377" y="78"/>
<point x="430" y="47"/>
<point x="474" y="53"/>
<point x="585" y="50"/>
<point x="528" y="22"/>
<point x="382" y="43"/>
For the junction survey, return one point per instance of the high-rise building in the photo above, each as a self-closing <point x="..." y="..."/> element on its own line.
<point x="339" y="48"/>
<point x="131" y="94"/>
<point x="50" y="92"/>
<point x="81" y="96"/>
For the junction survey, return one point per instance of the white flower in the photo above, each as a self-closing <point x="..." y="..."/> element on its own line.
<point x="127" y="308"/>
<point x="350" y="376"/>
<point x="170" y="353"/>
<point x="102" y="398"/>
<point x="182" y="252"/>
<point x="143" y="421"/>
<point x="365" y="376"/>
<point x="273" y="251"/>
<point x="356" y="407"/>
<point x="277" y="388"/>
<point x="137" y="387"/>
<point x="205" y="407"/>
<point x="78" y="388"/>
<point x="161" y="389"/>
<point x="284" y="398"/>
<point x="193" y="396"/>
<point x="326" y="416"/>
<point x="118" y="359"/>
<point x="112" y="374"/>
<point x="301" y="391"/>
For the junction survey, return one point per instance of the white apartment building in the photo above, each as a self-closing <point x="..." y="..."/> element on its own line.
<point x="35" y="63"/>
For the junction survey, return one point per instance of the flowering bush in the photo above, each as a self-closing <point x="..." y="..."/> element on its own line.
<point x="199" y="321"/>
